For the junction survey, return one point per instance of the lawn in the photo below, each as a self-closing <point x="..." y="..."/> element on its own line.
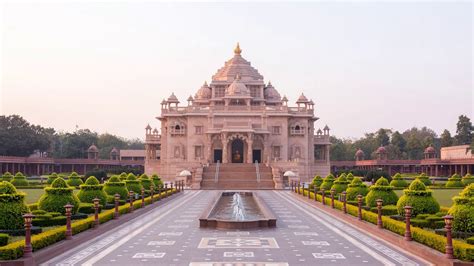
<point x="443" y="196"/>
<point x="33" y="195"/>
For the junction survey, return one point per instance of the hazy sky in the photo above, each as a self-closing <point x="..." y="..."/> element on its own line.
<point x="367" y="65"/>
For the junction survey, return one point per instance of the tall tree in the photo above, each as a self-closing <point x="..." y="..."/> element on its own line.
<point x="383" y="138"/>
<point x="463" y="130"/>
<point x="446" y="139"/>
<point x="398" y="141"/>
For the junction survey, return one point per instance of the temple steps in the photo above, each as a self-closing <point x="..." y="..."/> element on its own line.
<point x="237" y="176"/>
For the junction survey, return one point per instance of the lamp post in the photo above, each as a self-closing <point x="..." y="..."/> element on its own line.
<point x="407" y="222"/>
<point x="159" y="192"/>
<point x="116" y="211"/>
<point x="68" y="208"/>
<point x="166" y="190"/>
<point x="152" y="192"/>
<point x="291" y="186"/>
<point x="28" y="249"/>
<point x="316" y="193"/>
<point x="333" y="191"/>
<point x="379" y="213"/>
<point x="359" y="207"/>
<point x="344" y="207"/>
<point x="448" y="220"/>
<point x="309" y="191"/>
<point x="143" y="197"/>
<point x="130" y="195"/>
<point x="96" y="213"/>
<point x="323" y="195"/>
<point x="299" y="185"/>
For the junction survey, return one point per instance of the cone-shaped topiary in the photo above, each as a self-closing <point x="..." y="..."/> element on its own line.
<point x="350" y="177"/>
<point x="467" y="179"/>
<point x="454" y="181"/>
<point x="328" y="181"/>
<point x="123" y="176"/>
<point x="51" y="178"/>
<point x="7" y="176"/>
<point x="157" y="181"/>
<point x="317" y="181"/>
<point x="58" y="195"/>
<point x="145" y="181"/>
<point x="381" y="190"/>
<point x="74" y="180"/>
<point x="115" y="186"/>
<point x="398" y="181"/>
<point x="19" y="180"/>
<point x="12" y="207"/>
<point x="419" y="198"/>
<point x="424" y="178"/>
<point x="92" y="189"/>
<point x="340" y="184"/>
<point x="133" y="184"/>
<point x="463" y="210"/>
<point x="355" y="188"/>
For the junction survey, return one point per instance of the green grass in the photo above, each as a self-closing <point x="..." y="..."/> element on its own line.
<point x="33" y="195"/>
<point x="443" y="196"/>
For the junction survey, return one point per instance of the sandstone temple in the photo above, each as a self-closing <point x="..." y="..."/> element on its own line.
<point x="237" y="132"/>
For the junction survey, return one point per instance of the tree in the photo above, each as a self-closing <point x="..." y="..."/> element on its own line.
<point x="463" y="130"/>
<point x="382" y="137"/>
<point x="398" y="141"/>
<point x="446" y="139"/>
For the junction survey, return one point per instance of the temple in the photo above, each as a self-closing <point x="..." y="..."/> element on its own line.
<point x="237" y="120"/>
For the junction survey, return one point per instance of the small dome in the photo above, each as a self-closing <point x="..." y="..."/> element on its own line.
<point x="381" y="150"/>
<point x="190" y="98"/>
<point x="271" y="93"/>
<point x="93" y="148"/>
<point x="203" y="93"/>
<point x="326" y="128"/>
<point x="155" y="131"/>
<point x="173" y="98"/>
<point x="359" y="153"/>
<point x="163" y="102"/>
<point x="114" y="151"/>
<point x="284" y="98"/>
<point x="237" y="88"/>
<point x="311" y="102"/>
<point x="148" y="127"/>
<point x="302" y="99"/>
<point x="319" y="132"/>
<point x="430" y="149"/>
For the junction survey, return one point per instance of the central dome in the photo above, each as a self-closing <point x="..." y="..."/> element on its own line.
<point x="237" y="88"/>
<point x="237" y="65"/>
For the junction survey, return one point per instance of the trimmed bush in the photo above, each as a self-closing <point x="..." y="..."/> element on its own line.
<point x="123" y="176"/>
<point x="328" y="181"/>
<point x="387" y="210"/>
<point x="115" y="186"/>
<point x="419" y="198"/>
<point x="53" y="176"/>
<point x="424" y="178"/>
<point x="92" y="189"/>
<point x="455" y="181"/>
<point x="4" y="239"/>
<point x="19" y="180"/>
<point x="317" y="181"/>
<point x="52" y="221"/>
<point x="157" y="181"/>
<point x="74" y="180"/>
<point x="12" y="207"/>
<point x="7" y="176"/>
<point x="463" y="210"/>
<point x="350" y="177"/>
<point x="470" y="240"/>
<point x="381" y="190"/>
<point x="145" y="181"/>
<point x="58" y="195"/>
<point x="340" y="184"/>
<point x="355" y="188"/>
<point x="467" y="179"/>
<point x="133" y="184"/>
<point x="398" y="181"/>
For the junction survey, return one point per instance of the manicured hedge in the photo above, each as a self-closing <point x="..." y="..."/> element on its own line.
<point x="19" y="180"/>
<point x="7" y="176"/>
<point x="157" y="181"/>
<point x="420" y="199"/>
<point x="57" y="196"/>
<point x="355" y="188"/>
<point x="53" y="176"/>
<point x="115" y="186"/>
<point x="15" y="250"/>
<point x="145" y="181"/>
<point x="92" y="189"/>
<point x="4" y="238"/>
<point x="424" y="178"/>
<point x="328" y="181"/>
<point x="133" y="184"/>
<point x="381" y="190"/>
<point x="340" y="184"/>
<point x="454" y="181"/>
<point x="74" y="180"/>
<point x="463" y="210"/>
<point x="398" y="181"/>
<point x="12" y="207"/>
<point x="467" y="179"/>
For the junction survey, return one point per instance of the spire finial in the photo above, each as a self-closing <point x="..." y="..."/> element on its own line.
<point x="237" y="49"/>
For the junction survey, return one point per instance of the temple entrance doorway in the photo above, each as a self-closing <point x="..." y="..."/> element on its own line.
<point x="257" y="156"/>
<point x="237" y="151"/>
<point x="218" y="155"/>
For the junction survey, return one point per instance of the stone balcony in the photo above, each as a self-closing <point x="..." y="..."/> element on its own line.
<point x="240" y="108"/>
<point x="321" y="139"/>
<point x="153" y="139"/>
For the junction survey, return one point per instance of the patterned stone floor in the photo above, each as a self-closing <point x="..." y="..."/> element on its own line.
<point x="170" y="235"/>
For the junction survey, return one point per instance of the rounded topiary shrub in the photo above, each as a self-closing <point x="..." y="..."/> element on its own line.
<point x="92" y="189"/>
<point x="123" y="176"/>
<point x="350" y="177"/>
<point x="454" y="181"/>
<point x="328" y="181"/>
<point x="355" y="188"/>
<point x="145" y="181"/>
<point x="419" y="198"/>
<point x="19" y="180"/>
<point x="467" y="179"/>
<point x="51" y="178"/>
<point x="381" y="190"/>
<point x="340" y="184"/>
<point x="12" y="207"/>
<point x="7" y="176"/>
<point x="74" y="180"/>
<point x="115" y="186"/>
<point x="424" y="178"/>
<point x="58" y="195"/>
<point x="398" y="181"/>
<point x="316" y="182"/>
<point x="133" y="184"/>
<point x="157" y="181"/>
<point x="463" y="210"/>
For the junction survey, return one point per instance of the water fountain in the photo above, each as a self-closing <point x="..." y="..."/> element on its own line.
<point x="237" y="210"/>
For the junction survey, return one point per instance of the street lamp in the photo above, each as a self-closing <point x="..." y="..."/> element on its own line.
<point x="68" y="208"/>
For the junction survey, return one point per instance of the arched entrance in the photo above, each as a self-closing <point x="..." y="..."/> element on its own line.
<point x="237" y="151"/>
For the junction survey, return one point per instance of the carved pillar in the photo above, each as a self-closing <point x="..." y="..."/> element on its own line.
<point x="224" y="148"/>
<point x="208" y="148"/>
<point x="249" y="148"/>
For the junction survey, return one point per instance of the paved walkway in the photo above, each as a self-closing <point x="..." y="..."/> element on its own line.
<point x="170" y="235"/>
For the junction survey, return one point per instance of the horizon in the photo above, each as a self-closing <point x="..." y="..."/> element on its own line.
<point x="123" y="59"/>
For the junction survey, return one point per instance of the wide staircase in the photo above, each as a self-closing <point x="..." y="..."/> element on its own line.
<point x="237" y="176"/>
